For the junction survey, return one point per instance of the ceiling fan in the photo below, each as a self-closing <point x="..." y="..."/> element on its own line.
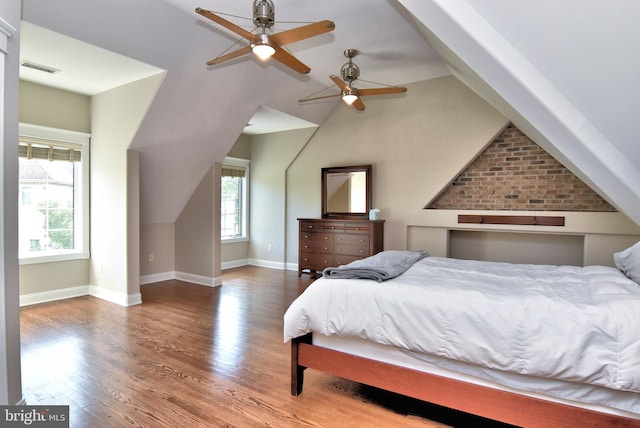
<point x="265" y="45"/>
<point x="349" y="93"/>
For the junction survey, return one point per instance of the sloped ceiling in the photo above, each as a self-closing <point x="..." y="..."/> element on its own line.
<point x="200" y="111"/>
<point x="564" y="72"/>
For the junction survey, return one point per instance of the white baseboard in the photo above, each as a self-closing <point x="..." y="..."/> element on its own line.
<point x="267" y="264"/>
<point x="83" y="290"/>
<point x="234" y="264"/>
<point x="53" y="295"/>
<point x="115" y="297"/>
<point x="199" y="279"/>
<point x="157" y="277"/>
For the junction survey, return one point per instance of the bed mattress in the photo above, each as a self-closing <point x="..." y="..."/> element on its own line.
<point x="566" y="323"/>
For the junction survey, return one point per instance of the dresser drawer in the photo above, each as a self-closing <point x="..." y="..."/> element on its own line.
<point x="310" y="226"/>
<point x="342" y="259"/>
<point x="357" y="227"/>
<point x="352" y="250"/>
<point x="315" y="262"/>
<point x="351" y="239"/>
<point x="333" y="226"/>
<point x="316" y="243"/>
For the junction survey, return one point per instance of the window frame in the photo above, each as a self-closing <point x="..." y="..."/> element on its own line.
<point x="244" y="209"/>
<point x="81" y="192"/>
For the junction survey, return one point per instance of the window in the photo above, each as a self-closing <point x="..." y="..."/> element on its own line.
<point x="233" y="200"/>
<point x="53" y="196"/>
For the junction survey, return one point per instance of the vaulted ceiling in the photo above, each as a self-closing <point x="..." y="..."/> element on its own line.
<point x="564" y="72"/>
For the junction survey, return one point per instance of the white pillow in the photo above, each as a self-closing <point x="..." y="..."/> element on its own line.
<point x="628" y="261"/>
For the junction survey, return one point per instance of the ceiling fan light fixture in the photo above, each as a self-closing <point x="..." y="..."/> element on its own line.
<point x="262" y="47"/>
<point x="349" y="96"/>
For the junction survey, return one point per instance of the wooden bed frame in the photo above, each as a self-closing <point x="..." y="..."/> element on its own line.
<point x="479" y="400"/>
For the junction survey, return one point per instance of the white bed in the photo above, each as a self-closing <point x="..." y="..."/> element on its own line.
<point x="563" y="334"/>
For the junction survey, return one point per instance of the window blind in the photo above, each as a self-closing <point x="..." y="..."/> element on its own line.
<point x="233" y="171"/>
<point x="32" y="148"/>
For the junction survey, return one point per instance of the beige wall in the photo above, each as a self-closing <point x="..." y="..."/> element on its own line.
<point x="116" y="116"/>
<point x="44" y="106"/>
<point x="271" y="154"/>
<point x="417" y="143"/>
<point x="197" y="233"/>
<point x="603" y="233"/>
<point x="157" y="248"/>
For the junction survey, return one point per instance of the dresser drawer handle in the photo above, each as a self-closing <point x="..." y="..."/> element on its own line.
<point x="306" y="246"/>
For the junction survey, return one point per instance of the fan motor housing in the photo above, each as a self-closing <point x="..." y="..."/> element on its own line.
<point x="264" y="13"/>
<point x="350" y="71"/>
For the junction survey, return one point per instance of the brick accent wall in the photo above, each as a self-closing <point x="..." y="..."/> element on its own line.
<point x="514" y="173"/>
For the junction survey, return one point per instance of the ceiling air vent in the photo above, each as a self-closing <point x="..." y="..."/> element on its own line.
<point x="39" y="67"/>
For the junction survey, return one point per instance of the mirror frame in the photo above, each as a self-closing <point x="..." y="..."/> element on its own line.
<point x="346" y="169"/>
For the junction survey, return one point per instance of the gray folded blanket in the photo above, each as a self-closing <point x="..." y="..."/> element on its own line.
<point x="379" y="267"/>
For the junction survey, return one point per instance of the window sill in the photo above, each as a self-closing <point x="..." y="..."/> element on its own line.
<point x="53" y="258"/>
<point x="234" y="240"/>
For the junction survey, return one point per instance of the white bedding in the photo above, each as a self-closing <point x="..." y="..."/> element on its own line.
<point x="561" y="322"/>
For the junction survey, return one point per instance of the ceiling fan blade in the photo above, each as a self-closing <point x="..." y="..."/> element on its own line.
<point x="382" y="91"/>
<point x="290" y="61"/>
<point x="358" y="104"/>
<point x="289" y="36"/>
<point x="318" y="98"/>
<point x="338" y="81"/>
<point x="229" y="56"/>
<point x="228" y="25"/>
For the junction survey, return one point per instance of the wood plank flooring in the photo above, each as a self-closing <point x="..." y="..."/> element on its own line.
<point x="194" y="356"/>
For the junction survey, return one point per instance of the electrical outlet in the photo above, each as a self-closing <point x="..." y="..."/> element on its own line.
<point x="269" y="247"/>
<point x="151" y="257"/>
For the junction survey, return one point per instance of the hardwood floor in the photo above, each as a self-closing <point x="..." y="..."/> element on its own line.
<point x="194" y="356"/>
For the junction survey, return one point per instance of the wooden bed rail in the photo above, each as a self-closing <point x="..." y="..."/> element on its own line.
<point x="479" y="400"/>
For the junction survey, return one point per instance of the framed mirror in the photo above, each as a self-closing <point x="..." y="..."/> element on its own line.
<point x="346" y="191"/>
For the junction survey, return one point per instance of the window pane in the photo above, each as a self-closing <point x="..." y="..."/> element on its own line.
<point x="231" y="207"/>
<point x="46" y="206"/>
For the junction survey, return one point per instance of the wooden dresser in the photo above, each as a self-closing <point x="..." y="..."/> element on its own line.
<point x="331" y="242"/>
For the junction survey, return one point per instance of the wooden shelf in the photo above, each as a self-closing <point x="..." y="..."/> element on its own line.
<point x="512" y="219"/>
